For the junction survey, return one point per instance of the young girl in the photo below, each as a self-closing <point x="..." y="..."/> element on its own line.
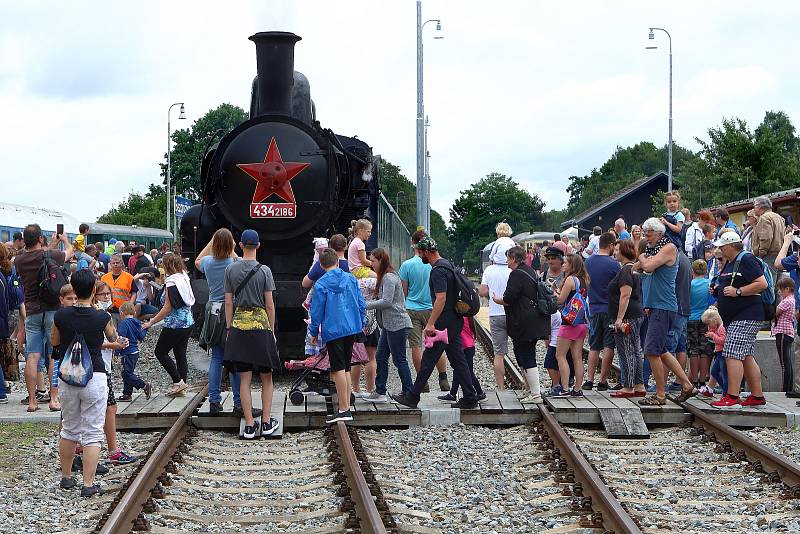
<point x="357" y="260"/>
<point x="468" y="342"/>
<point x="570" y="337"/>
<point x="370" y="341"/>
<point x="673" y="219"/>
<point x="783" y="330"/>
<point x="716" y="333"/>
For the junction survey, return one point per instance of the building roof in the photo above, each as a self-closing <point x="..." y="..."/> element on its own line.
<point x="616" y="197"/>
<point x="747" y="203"/>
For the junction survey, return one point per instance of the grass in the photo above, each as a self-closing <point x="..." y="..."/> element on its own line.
<point x="17" y="438"/>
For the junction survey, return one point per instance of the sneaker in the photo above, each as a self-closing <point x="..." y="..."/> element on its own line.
<point x="576" y="393"/>
<point x="405" y="400"/>
<point x="727" y="401"/>
<point x="360" y="394"/>
<point x="238" y="412"/>
<point x="564" y="392"/>
<point x="91" y="491"/>
<point x="102" y="469"/>
<point x="718" y="390"/>
<point x="118" y="457"/>
<point x="340" y="416"/>
<point x="674" y="386"/>
<point x="249" y="431"/>
<point x="77" y="463"/>
<point x="601" y="386"/>
<point x="752" y="400"/>
<point x="269" y="427"/>
<point x="444" y="385"/>
<point x="447" y="398"/>
<point x="531" y="398"/>
<point x="588" y="385"/>
<point x="176" y="389"/>
<point x="67" y="483"/>
<point x="554" y="391"/>
<point x="375" y="397"/>
<point x="148" y="390"/>
<point x="482" y="397"/>
<point x="4" y="400"/>
<point x="616" y="387"/>
<point x="215" y="408"/>
<point x="465" y="405"/>
<point x="706" y="391"/>
<point x="125" y="398"/>
<point x="790" y="394"/>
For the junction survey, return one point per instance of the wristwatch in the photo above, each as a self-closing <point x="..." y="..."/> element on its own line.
<point x="738" y="291"/>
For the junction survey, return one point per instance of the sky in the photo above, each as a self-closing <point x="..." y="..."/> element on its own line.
<point x="536" y="90"/>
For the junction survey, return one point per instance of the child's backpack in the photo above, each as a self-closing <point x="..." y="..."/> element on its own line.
<point x="468" y="303"/>
<point x="76" y="365"/>
<point x="51" y="279"/>
<point x="15" y="293"/>
<point x="768" y="294"/>
<point x="576" y="310"/>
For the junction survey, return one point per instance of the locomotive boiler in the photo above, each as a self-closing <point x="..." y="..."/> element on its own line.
<point x="284" y="175"/>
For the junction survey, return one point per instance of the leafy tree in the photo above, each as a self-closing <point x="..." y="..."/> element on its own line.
<point x="148" y="210"/>
<point x="552" y="219"/>
<point x="189" y="146"/>
<point x="477" y="211"/>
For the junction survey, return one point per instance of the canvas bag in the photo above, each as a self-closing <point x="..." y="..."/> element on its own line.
<point x="76" y="365"/>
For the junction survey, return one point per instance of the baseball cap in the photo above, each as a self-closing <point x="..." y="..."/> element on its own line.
<point x="728" y="238"/>
<point x="427" y="243"/>
<point x="112" y="241"/>
<point x="554" y="251"/>
<point x="250" y="238"/>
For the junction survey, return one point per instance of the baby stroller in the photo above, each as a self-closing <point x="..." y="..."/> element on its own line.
<point x="315" y="374"/>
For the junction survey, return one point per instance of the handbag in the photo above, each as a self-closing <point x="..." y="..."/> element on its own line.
<point x="575" y="309"/>
<point x="76" y="366"/>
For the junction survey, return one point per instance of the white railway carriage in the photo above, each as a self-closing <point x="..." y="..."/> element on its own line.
<point x="14" y="218"/>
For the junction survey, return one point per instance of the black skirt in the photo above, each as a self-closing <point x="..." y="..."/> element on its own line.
<point x="251" y="350"/>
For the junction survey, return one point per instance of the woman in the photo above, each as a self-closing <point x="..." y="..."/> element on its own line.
<point x="625" y="309"/>
<point x="212" y="261"/>
<point x="570" y="337"/>
<point x="176" y="311"/>
<point x="394" y="323"/>
<point x="636" y="235"/>
<point x="747" y="234"/>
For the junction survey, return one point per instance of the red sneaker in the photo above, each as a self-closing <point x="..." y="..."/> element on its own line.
<point x="752" y="400"/>
<point x="727" y="402"/>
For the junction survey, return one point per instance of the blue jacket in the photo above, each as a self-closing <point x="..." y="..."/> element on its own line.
<point x="131" y="328"/>
<point x="337" y="306"/>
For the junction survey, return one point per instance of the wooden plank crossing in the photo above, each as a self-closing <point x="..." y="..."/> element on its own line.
<point x="620" y="421"/>
<point x="586" y="410"/>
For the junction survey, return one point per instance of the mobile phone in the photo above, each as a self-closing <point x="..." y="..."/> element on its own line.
<point x="59" y="229"/>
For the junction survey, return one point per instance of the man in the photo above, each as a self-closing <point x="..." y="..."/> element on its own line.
<point x="38" y="314"/>
<point x="338" y="243"/>
<point x="602" y="268"/>
<point x="123" y="287"/>
<point x="553" y="274"/>
<point x="694" y="236"/>
<point x="621" y="228"/>
<point x="111" y="248"/>
<point x="102" y="257"/>
<point x="768" y="233"/>
<point x="415" y="277"/>
<point x="443" y="317"/>
<point x="791" y="264"/>
<point x="660" y="261"/>
<point x="570" y="248"/>
<point x="136" y="253"/>
<point x="723" y="220"/>
<point x="593" y="242"/>
<point x="494" y="281"/>
<point x="18" y="245"/>
<point x="559" y="244"/>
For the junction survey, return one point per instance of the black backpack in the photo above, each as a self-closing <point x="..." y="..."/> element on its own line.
<point x="50" y="280"/>
<point x="468" y="303"/>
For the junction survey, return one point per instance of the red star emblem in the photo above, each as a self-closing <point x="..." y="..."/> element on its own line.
<point x="273" y="175"/>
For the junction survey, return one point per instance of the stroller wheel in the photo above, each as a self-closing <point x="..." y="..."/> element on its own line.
<point x="296" y="397"/>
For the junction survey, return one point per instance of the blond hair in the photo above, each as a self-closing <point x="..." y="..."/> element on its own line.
<point x="502" y="229"/>
<point x="127" y="309"/>
<point x="358" y="225"/>
<point x="672" y="194"/>
<point x="711" y="315"/>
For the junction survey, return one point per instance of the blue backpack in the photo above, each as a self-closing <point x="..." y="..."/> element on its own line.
<point x="576" y="310"/>
<point x="15" y="294"/>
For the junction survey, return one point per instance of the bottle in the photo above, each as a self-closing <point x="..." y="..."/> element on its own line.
<point x="624" y="329"/>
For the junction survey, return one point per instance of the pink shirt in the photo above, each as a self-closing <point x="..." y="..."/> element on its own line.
<point x="718" y="337"/>
<point x="467" y="337"/>
<point x="785" y="323"/>
<point x="352" y="253"/>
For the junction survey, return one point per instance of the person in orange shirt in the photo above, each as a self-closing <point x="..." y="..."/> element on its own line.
<point x="122" y="284"/>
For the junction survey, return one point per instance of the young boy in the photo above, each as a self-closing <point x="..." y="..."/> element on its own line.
<point x="130" y="328"/>
<point x="338" y="313"/>
<point x="673" y="219"/>
<point x="699" y="348"/>
<point x="67" y="298"/>
<point x="783" y="330"/>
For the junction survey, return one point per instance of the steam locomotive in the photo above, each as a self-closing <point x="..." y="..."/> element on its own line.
<point x="284" y="175"/>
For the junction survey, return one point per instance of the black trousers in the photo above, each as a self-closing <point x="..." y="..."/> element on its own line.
<point x="784" y="345"/>
<point x="457" y="359"/>
<point x="470" y="355"/>
<point x="175" y="340"/>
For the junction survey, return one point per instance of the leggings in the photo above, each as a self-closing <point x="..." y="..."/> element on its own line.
<point x="469" y="352"/>
<point x="783" y="342"/>
<point x="176" y="340"/>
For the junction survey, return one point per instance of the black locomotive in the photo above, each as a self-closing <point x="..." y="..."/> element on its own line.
<point x="282" y="174"/>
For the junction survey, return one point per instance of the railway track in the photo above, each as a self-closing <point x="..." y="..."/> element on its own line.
<point x="671" y="492"/>
<point x="316" y="481"/>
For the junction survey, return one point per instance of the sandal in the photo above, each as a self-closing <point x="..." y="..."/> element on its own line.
<point x="686" y="394"/>
<point x="652" y="401"/>
<point x="33" y="410"/>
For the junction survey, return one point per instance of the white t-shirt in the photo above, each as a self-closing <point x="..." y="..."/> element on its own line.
<point x="555" y="324"/>
<point x="495" y="277"/>
<point x="591" y="248"/>
<point x="499" y="249"/>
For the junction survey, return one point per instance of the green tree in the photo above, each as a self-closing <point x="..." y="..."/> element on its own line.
<point x="477" y="211"/>
<point x="148" y="210"/>
<point x="189" y="146"/>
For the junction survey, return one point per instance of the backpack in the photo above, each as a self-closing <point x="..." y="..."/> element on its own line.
<point x="468" y="303"/>
<point x="546" y="303"/>
<point x="50" y="280"/>
<point x="15" y="293"/>
<point x="576" y="309"/>
<point x="768" y="294"/>
<point x="76" y="365"/>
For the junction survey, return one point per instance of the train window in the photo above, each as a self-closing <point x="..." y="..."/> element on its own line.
<point x="5" y="235"/>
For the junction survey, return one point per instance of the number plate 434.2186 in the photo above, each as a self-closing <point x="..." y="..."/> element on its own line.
<point x="273" y="211"/>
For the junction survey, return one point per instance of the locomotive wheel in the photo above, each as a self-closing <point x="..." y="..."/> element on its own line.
<point x="296" y="397"/>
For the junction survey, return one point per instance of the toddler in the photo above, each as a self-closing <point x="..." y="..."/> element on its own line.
<point x="357" y="260"/>
<point x="673" y="219"/>
<point x="716" y="333"/>
<point x="131" y="329"/>
<point x="783" y="330"/>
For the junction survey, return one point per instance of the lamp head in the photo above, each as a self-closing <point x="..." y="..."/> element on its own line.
<point x="438" y="29"/>
<point x="182" y="114"/>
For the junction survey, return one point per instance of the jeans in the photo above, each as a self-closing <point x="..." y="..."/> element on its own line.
<point x="2" y="383"/>
<point x="457" y="359"/>
<point x="394" y="343"/>
<point x="470" y="355"/>
<point x="129" y="379"/>
<point x="215" y="377"/>
<point x="719" y="371"/>
<point x="176" y="340"/>
<point x="37" y="333"/>
<point x="147" y="309"/>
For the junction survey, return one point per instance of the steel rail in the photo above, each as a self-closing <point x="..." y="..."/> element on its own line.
<point x="514" y="377"/>
<point x="130" y="504"/>
<point x="369" y="517"/>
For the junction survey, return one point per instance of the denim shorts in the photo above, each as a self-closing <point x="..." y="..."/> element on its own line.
<point x="600" y="335"/>
<point x="676" y="338"/>
<point x="37" y="333"/>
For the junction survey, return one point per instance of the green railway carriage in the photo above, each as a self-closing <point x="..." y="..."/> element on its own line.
<point x="149" y="237"/>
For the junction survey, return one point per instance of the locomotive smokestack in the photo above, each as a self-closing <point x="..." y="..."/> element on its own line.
<point x="275" y="58"/>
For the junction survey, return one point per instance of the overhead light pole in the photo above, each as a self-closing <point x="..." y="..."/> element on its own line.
<point x="181" y="115"/>
<point x="652" y="37"/>
<point x="423" y="195"/>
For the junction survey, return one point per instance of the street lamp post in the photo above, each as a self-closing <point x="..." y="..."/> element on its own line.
<point x="651" y="36"/>
<point x="181" y="115"/>
<point x="423" y="196"/>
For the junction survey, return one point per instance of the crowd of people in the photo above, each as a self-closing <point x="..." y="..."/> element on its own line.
<point x="677" y="295"/>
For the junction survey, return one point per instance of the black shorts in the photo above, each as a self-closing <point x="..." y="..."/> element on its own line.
<point x="112" y="399"/>
<point x="340" y="351"/>
<point x="368" y="340"/>
<point x="550" y="361"/>
<point x="601" y="336"/>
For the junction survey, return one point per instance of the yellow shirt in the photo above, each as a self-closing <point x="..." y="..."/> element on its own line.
<point x="80" y="243"/>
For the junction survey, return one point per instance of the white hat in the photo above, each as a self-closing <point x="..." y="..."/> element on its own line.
<point x="728" y="238"/>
